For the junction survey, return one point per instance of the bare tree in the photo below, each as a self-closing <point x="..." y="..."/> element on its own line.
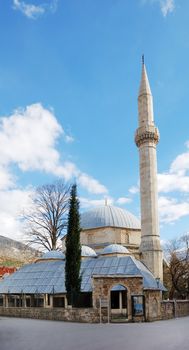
<point x="46" y="220"/>
<point x="176" y="273"/>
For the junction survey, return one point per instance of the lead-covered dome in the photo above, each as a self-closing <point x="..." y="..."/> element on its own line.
<point x="52" y="255"/>
<point x="115" y="249"/>
<point x="87" y="252"/>
<point x="111" y="216"/>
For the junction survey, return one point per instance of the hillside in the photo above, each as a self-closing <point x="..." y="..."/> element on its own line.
<point x="14" y="253"/>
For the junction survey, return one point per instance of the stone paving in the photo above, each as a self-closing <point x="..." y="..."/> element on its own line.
<point x="27" y="334"/>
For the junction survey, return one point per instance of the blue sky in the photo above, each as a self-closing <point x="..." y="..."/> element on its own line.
<point x="69" y="78"/>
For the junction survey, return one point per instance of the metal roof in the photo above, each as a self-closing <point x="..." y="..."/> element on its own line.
<point x="49" y="277"/>
<point x="109" y="216"/>
<point x="53" y="254"/>
<point x="115" y="248"/>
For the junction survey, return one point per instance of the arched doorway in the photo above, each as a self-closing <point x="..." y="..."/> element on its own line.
<point x="118" y="302"/>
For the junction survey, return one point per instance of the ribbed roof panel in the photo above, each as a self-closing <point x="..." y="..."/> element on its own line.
<point x="53" y="254"/>
<point x="111" y="216"/>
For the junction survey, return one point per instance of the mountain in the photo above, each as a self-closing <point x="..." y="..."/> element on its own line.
<point x="14" y="253"/>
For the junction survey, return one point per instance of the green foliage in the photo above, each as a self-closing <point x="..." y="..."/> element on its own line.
<point x="11" y="263"/>
<point x="73" y="248"/>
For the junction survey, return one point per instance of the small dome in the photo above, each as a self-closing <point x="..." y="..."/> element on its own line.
<point x="109" y="216"/>
<point x="115" y="249"/>
<point x="87" y="252"/>
<point x="53" y="254"/>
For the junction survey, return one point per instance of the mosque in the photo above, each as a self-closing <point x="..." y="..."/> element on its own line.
<point x="122" y="267"/>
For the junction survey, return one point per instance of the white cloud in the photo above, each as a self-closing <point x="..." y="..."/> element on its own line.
<point x="29" y="10"/>
<point x="177" y="178"/>
<point x="181" y="164"/>
<point x="134" y="189"/>
<point x="69" y="138"/>
<point x="12" y="204"/>
<point x="171" y="210"/>
<point x="123" y="200"/>
<point x="91" y="184"/>
<point x="28" y="137"/>
<point x="67" y="170"/>
<point x="173" y="183"/>
<point x="34" y="11"/>
<point x="166" y="6"/>
<point x="89" y="203"/>
<point x="28" y="140"/>
<point x="106" y="200"/>
<point x="7" y="179"/>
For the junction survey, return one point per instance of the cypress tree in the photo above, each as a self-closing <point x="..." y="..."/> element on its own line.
<point x="73" y="248"/>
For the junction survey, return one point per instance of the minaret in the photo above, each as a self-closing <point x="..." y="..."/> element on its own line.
<point x="146" y="138"/>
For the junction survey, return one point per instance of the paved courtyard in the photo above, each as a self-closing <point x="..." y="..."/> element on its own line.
<point x="26" y="334"/>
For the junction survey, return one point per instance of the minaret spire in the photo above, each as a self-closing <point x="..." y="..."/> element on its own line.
<point x="146" y="138"/>
<point x="144" y="85"/>
<point x="145" y="99"/>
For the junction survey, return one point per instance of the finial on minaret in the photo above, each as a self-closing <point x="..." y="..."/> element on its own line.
<point x="144" y="84"/>
<point x="142" y="59"/>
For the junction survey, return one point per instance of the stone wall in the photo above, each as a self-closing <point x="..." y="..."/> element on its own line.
<point x="168" y="310"/>
<point x="153" y="305"/>
<point x="182" y="308"/>
<point x="174" y="308"/>
<point x="88" y="315"/>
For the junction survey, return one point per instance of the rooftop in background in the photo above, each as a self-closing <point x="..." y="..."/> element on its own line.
<point x="109" y="216"/>
<point x="5" y="270"/>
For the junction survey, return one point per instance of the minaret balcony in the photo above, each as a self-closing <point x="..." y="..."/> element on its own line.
<point x="148" y="133"/>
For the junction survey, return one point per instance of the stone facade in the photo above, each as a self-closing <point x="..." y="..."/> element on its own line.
<point x="98" y="238"/>
<point x="102" y="286"/>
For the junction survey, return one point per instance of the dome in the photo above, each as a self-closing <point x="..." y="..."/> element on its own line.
<point x="115" y="249"/>
<point x="111" y="216"/>
<point x="87" y="252"/>
<point x="53" y="254"/>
